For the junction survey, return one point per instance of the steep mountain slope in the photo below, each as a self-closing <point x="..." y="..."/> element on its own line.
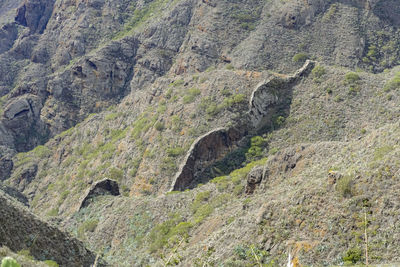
<point x="168" y="95"/>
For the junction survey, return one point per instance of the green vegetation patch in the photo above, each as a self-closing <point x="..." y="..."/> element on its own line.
<point x="393" y="84"/>
<point x="141" y="15"/>
<point x="87" y="226"/>
<point x="190" y="95"/>
<point x="300" y="57"/>
<point x="169" y="232"/>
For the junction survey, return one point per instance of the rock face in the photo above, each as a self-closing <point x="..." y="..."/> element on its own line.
<point x="273" y="96"/>
<point x="26" y="176"/>
<point x="15" y="194"/>
<point x="20" y="229"/>
<point x="254" y="178"/>
<point x="100" y="188"/>
<point x="21" y="118"/>
<point x="35" y="14"/>
<point x="6" y="165"/>
<point x="208" y="149"/>
<point x="8" y="34"/>
<point x="267" y="100"/>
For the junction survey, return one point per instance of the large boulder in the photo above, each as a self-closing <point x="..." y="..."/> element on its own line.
<point x="254" y="178"/>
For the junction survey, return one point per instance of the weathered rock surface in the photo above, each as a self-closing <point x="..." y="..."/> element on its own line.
<point x="20" y="229"/>
<point x="100" y="188"/>
<point x="268" y="100"/>
<point x="8" y="34"/>
<point x="206" y="150"/>
<point x="273" y="96"/>
<point x="254" y="178"/>
<point x="26" y="176"/>
<point x="16" y="194"/>
<point x="35" y="14"/>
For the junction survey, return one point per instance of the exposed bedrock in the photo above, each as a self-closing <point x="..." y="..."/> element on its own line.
<point x="272" y="96"/>
<point x="20" y="229"/>
<point x="8" y="34"/>
<point x="35" y="14"/>
<point x="100" y="188"/>
<point x="21" y="123"/>
<point x="207" y="149"/>
<point x="269" y="99"/>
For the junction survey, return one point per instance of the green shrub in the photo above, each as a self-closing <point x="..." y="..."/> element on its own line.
<point x="177" y="83"/>
<point x="213" y="109"/>
<point x="25" y="253"/>
<point x="63" y="196"/>
<point x="234" y="100"/>
<point x="345" y="186"/>
<point x="177" y="123"/>
<point x="191" y="95"/>
<point x="175" y="151"/>
<point x="9" y="262"/>
<point x="351" y="78"/>
<point x="203" y="212"/>
<point x="41" y="151"/>
<point x="317" y="72"/>
<point x="53" y="212"/>
<point x="169" y="231"/>
<point x="199" y="199"/>
<point x="257" y="145"/>
<point x="159" y="126"/>
<point x="393" y="84"/>
<point x="169" y="165"/>
<point x="87" y="226"/>
<point x="51" y="263"/>
<point x="300" y="57"/>
<point x="116" y="174"/>
<point x="353" y="255"/>
<point x="229" y="67"/>
<point x="112" y="116"/>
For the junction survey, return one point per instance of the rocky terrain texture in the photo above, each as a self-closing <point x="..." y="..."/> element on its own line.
<point x="194" y="132"/>
<point x="41" y="240"/>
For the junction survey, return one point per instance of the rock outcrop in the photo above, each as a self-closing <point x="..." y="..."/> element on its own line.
<point x="15" y="194"/>
<point x="20" y="229"/>
<point x="35" y="14"/>
<point x="269" y="98"/>
<point x="254" y="178"/>
<point x="100" y="188"/>
<point x="273" y="95"/>
<point x="206" y="150"/>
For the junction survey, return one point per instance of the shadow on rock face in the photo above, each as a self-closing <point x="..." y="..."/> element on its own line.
<point x="35" y="14"/>
<point x="100" y="188"/>
<point x="388" y="11"/>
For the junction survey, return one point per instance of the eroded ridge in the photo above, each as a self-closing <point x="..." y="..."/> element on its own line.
<point x="20" y="229"/>
<point x="270" y="97"/>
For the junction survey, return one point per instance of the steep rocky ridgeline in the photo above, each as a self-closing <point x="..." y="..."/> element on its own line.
<point x="22" y="230"/>
<point x="108" y="108"/>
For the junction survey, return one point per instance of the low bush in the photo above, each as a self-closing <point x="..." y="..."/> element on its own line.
<point x="393" y="84"/>
<point x="351" y="78"/>
<point x="191" y="95"/>
<point x="300" y="57"/>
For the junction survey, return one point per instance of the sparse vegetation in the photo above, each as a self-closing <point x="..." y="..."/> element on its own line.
<point x="318" y="72"/>
<point x="345" y="186"/>
<point x="393" y="84"/>
<point x="191" y="95"/>
<point x="300" y="57"/>
<point x="351" y="78"/>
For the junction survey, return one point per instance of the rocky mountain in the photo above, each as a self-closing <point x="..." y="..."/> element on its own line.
<point x="203" y="132"/>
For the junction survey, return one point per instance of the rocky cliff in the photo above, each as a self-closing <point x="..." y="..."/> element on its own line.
<point x="162" y="96"/>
